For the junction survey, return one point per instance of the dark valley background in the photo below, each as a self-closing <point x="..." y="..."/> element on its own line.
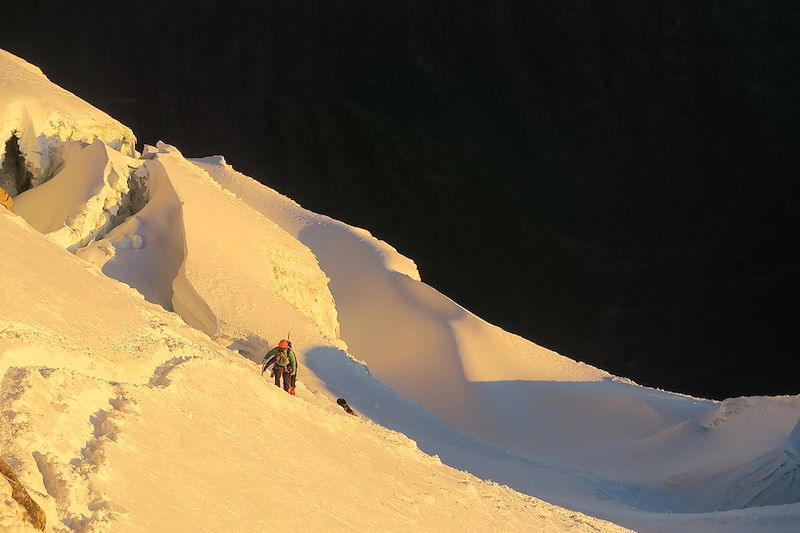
<point x="613" y="179"/>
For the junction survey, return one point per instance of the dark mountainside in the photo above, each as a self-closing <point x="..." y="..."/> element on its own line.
<point x="613" y="179"/>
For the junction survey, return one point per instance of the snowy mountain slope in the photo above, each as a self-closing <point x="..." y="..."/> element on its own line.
<point x="28" y="110"/>
<point x="413" y="338"/>
<point x="96" y="378"/>
<point x="97" y="179"/>
<point x="111" y="406"/>
<point x="566" y="403"/>
<point x="118" y="416"/>
<point x="224" y="302"/>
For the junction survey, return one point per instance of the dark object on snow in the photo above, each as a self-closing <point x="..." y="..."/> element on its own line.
<point x="21" y="496"/>
<point x="343" y="403"/>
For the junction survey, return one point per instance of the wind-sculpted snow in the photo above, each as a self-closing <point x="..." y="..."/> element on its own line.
<point x="118" y="416"/>
<point x="95" y="180"/>
<point x="111" y="405"/>
<point x="265" y="260"/>
<point x="146" y="250"/>
<point x="44" y="116"/>
<point x="430" y="335"/>
<point x="290" y="216"/>
<point x="508" y="392"/>
<point x="761" y="465"/>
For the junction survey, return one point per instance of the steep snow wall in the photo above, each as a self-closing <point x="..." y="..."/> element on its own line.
<point x="87" y="182"/>
<point x="146" y="250"/>
<point x="415" y="339"/>
<point x="89" y="195"/>
<point x="265" y="258"/>
<point x="43" y="116"/>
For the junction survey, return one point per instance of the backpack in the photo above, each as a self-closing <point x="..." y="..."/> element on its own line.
<point x="282" y="358"/>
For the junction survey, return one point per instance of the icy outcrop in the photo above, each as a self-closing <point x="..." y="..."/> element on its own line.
<point x="144" y="250"/>
<point x="42" y="117"/>
<point x="47" y="132"/>
<point x="96" y="189"/>
<point x="269" y="259"/>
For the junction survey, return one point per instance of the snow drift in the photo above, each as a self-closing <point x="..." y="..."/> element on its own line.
<point x="128" y="370"/>
<point x="39" y="126"/>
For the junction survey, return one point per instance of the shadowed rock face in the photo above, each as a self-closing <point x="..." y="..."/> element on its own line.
<point x="613" y="179"/>
<point x="14" y="175"/>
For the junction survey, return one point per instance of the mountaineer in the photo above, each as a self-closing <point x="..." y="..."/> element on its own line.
<point x="284" y="364"/>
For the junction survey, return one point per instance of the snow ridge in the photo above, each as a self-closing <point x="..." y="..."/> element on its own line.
<point x="111" y="403"/>
<point x="44" y="116"/>
<point x="109" y="192"/>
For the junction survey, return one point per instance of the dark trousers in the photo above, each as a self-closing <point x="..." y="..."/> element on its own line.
<point x="278" y="371"/>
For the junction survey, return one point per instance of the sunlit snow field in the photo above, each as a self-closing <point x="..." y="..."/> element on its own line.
<point x="141" y="290"/>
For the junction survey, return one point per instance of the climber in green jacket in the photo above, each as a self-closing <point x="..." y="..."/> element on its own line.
<point x="284" y="364"/>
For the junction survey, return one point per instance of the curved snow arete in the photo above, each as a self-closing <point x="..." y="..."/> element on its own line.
<point x="521" y="397"/>
<point x="242" y="263"/>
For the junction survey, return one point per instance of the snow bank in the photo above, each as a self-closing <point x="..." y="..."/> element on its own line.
<point x="85" y="199"/>
<point x="289" y="215"/>
<point x="413" y="338"/>
<point x="43" y="116"/>
<point x="761" y="464"/>
<point x="147" y="250"/>
<point x="261" y="259"/>
<point x="527" y="401"/>
<point x="111" y="407"/>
